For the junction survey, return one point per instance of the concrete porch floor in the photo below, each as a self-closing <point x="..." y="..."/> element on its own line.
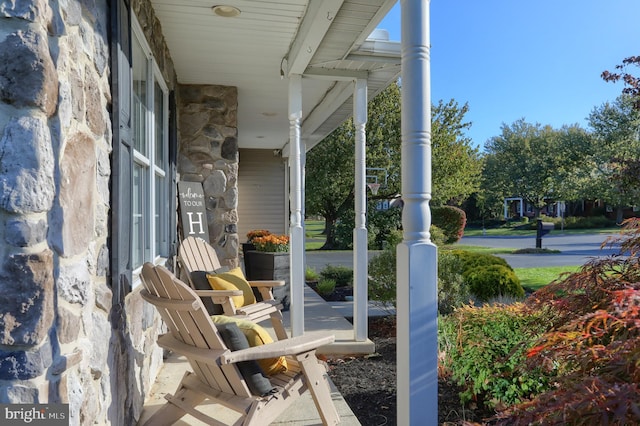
<point x="319" y="315"/>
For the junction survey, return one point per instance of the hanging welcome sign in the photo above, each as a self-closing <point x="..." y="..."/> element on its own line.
<point x="193" y="214"/>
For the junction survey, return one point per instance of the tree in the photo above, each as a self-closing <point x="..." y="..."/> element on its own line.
<point x="616" y="148"/>
<point x="456" y="164"/>
<point x="572" y="172"/>
<point x="522" y="162"/>
<point x="631" y="82"/>
<point x="330" y="179"/>
<point x="330" y="164"/>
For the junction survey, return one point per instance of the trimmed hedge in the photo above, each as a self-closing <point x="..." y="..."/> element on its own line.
<point x="341" y="275"/>
<point x="473" y="260"/>
<point x="451" y="220"/>
<point x="494" y="281"/>
<point x="488" y="276"/>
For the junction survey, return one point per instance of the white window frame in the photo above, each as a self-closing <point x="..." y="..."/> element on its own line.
<point x="152" y="251"/>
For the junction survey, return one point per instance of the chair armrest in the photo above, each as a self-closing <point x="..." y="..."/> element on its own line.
<point x="208" y="356"/>
<point x="264" y="307"/>
<point x="267" y="283"/>
<point x="292" y="346"/>
<point x="218" y="293"/>
<point x="221" y="297"/>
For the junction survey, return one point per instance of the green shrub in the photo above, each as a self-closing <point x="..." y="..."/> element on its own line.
<point x="453" y="291"/>
<point x="310" y="274"/>
<point x="471" y="260"/>
<point x="381" y="224"/>
<point x="382" y="278"/>
<point x="588" y="222"/>
<point x="487" y="276"/>
<point x="437" y="236"/>
<point x="516" y="222"/>
<point x="341" y="275"/>
<point x="451" y="220"/>
<point x="393" y="239"/>
<point x="493" y="281"/>
<point x="326" y="286"/>
<point x="577" y="222"/>
<point x="484" y="350"/>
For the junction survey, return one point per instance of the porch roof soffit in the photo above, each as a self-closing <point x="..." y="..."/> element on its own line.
<point x="377" y="61"/>
<point x="325" y="41"/>
<point x="370" y="55"/>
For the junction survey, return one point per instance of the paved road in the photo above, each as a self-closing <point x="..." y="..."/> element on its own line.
<point x="574" y="250"/>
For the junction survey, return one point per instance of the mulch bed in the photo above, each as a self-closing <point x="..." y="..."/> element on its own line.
<point x="368" y="383"/>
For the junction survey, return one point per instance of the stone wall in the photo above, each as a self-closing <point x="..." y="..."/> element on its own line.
<point x="208" y="153"/>
<point x="56" y="337"/>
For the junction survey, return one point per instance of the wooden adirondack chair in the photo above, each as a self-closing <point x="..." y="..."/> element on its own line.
<point x="195" y="254"/>
<point x="216" y="375"/>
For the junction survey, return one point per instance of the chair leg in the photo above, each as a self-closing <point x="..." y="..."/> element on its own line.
<point x="170" y="413"/>
<point x="318" y="385"/>
<point x="278" y="327"/>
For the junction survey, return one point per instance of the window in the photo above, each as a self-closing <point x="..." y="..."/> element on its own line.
<point x="151" y="182"/>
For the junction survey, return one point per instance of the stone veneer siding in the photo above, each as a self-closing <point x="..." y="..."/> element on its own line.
<point x="56" y="337"/>
<point x="208" y="153"/>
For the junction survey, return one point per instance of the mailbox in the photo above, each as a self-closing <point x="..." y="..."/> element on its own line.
<point x="543" y="228"/>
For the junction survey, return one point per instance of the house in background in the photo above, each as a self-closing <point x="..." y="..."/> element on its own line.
<point x="104" y="107"/>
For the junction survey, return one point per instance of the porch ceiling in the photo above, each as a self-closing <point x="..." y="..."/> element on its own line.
<point x="325" y="40"/>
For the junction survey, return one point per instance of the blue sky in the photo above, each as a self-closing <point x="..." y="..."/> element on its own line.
<point x="538" y="60"/>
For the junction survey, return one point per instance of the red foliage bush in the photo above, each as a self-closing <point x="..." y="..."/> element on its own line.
<point x="594" y="345"/>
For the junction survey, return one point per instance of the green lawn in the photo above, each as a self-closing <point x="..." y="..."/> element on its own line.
<point x="314" y="228"/>
<point x="313" y="234"/>
<point x="533" y="279"/>
<point x="479" y="249"/>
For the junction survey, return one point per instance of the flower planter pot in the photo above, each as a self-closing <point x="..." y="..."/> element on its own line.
<point x="247" y="247"/>
<point x="269" y="266"/>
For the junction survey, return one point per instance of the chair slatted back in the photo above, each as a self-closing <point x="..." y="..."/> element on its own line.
<point x="188" y="321"/>
<point x="195" y="254"/>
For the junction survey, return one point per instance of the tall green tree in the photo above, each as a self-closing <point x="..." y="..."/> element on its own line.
<point x="572" y="172"/>
<point x="616" y="147"/>
<point x="330" y="165"/>
<point x="522" y="162"/>
<point x="330" y="179"/>
<point x="456" y="165"/>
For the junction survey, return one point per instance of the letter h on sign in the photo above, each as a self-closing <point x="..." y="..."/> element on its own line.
<point x="192" y="222"/>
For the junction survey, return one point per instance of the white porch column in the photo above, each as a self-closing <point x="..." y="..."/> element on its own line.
<point x="417" y="307"/>
<point x="360" y="257"/>
<point x="296" y="231"/>
<point x="303" y="201"/>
